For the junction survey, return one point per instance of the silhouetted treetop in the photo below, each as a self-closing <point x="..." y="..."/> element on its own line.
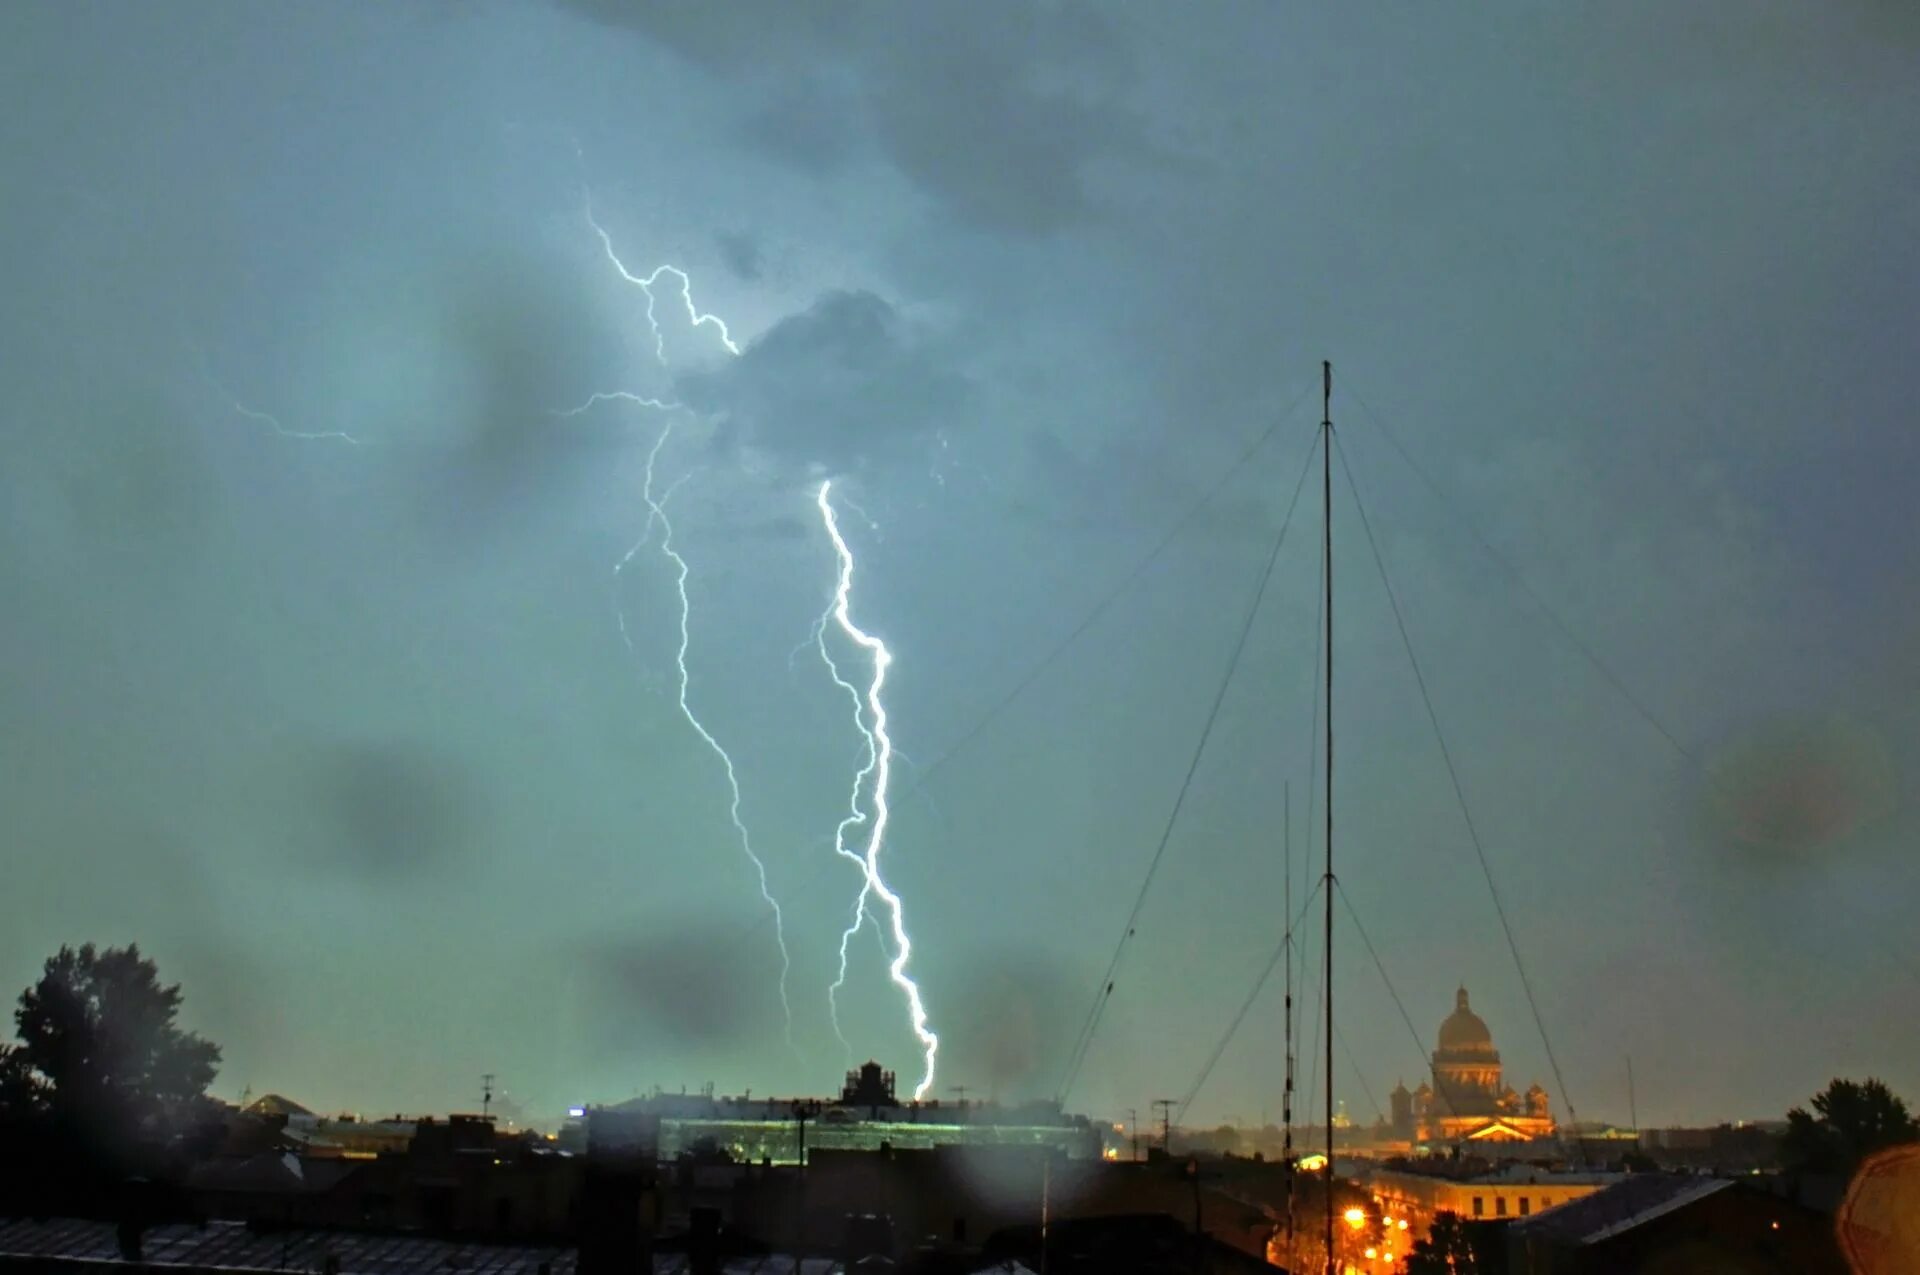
<point x="99" y="1048"/>
<point x="1850" y="1120"/>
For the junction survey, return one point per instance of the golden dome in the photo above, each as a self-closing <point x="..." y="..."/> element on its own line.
<point x="1463" y="1032"/>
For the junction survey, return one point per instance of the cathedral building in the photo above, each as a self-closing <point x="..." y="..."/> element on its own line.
<point x="1466" y="1101"/>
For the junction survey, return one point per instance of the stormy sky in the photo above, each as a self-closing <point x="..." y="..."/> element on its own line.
<point x="312" y="676"/>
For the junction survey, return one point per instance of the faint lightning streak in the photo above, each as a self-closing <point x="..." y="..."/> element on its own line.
<point x="646" y="533"/>
<point x="657" y="513"/>
<point x="645" y="284"/>
<point x="273" y="422"/>
<point x="618" y="396"/>
<point x="876" y="728"/>
<point x="811" y="639"/>
<point x="269" y="419"/>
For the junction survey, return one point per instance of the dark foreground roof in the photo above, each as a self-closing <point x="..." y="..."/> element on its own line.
<point x="232" y="1246"/>
<point x="1635" y="1199"/>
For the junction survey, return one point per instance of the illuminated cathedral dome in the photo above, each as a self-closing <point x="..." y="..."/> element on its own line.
<point x="1469" y="1101"/>
<point x="1463" y="1033"/>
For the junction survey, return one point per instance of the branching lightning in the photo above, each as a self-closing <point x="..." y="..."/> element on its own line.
<point x="657" y="515"/>
<point x="646" y="282"/>
<point x="873" y="723"/>
<point x="619" y="396"/>
<point x="657" y="518"/>
<point x="867" y="808"/>
<point x="855" y="817"/>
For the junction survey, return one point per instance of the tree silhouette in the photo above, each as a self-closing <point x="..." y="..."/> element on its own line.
<point x="1448" y="1249"/>
<point x="1850" y="1120"/>
<point x="20" y="1092"/>
<point x="100" y="1057"/>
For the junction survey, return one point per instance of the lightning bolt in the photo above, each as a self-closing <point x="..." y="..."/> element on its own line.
<point x="873" y="724"/>
<point x="657" y="516"/>
<point x="873" y="779"/>
<point x="271" y="421"/>
<point x="646" y="284"/>
<point x="657" y="519"/>
<point x="619" y="396"/>
<point x="855" y="816"/>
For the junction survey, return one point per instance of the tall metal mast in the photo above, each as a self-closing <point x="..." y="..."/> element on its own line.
<point x="1326" y="882"/>
<point x="1286" y="1091"/>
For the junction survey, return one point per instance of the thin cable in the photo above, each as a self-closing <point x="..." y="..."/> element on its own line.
<point x="924" y="776"/>
<point x="1253" y="994"/>
<point x="1104" y="992"/>
<point x="1566" y="630"/>
<point x="1419" y="1046"/>
<point x="1359" y="1075"/>
<point x="1319" y="1025"/>
<point x="1378" y="964"/>
<point x="1100" y="608"/>
<point x="1453" y="774"/>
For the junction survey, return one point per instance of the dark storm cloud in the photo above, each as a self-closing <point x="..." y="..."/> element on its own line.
<point x="514" y="351"/>
<point x="843" y="384"/>
<point x="390" y="809"/>
<point x="742" y="254"/>
<point x="128" y="457"/>
<point x="1522" y="235"/>
<point x="1795" y="786"/>
<point x="999" y="114"/>
<point x="679" y="985"/>
<point x="1006" y="1032"/>
<point x="804" y="124"/>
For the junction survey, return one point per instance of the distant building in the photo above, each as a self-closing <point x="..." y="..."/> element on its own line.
<point x="1467" y="1101"/>
<point x="301" y="1130"/>
<point x="1726" y="1148"/>
<point x="865" y="1116"/>
<point x="1517" y="1191"/>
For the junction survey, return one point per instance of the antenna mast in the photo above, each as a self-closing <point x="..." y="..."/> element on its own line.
<point x="1326" y="882"/>
<point x="1166" y="1106"/>
<point x="1286" y="1091"/>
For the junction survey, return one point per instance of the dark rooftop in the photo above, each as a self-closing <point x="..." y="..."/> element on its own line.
<point x="232" y="1246"/>
<point x="1627" y="1203"/>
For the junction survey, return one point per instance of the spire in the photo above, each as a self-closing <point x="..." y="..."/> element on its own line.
<point x="1460" y="997"/>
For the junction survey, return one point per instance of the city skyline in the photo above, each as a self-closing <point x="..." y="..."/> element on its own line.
<point x="322" y="686"/>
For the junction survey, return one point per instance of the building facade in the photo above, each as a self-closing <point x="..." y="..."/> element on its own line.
<point x="1409" y="1201"/>
<point x="1467" y="1099"/>
<point x="866" y="1116"/>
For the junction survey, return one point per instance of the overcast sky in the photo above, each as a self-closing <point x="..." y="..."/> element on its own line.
<point x="312" y="678"/>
